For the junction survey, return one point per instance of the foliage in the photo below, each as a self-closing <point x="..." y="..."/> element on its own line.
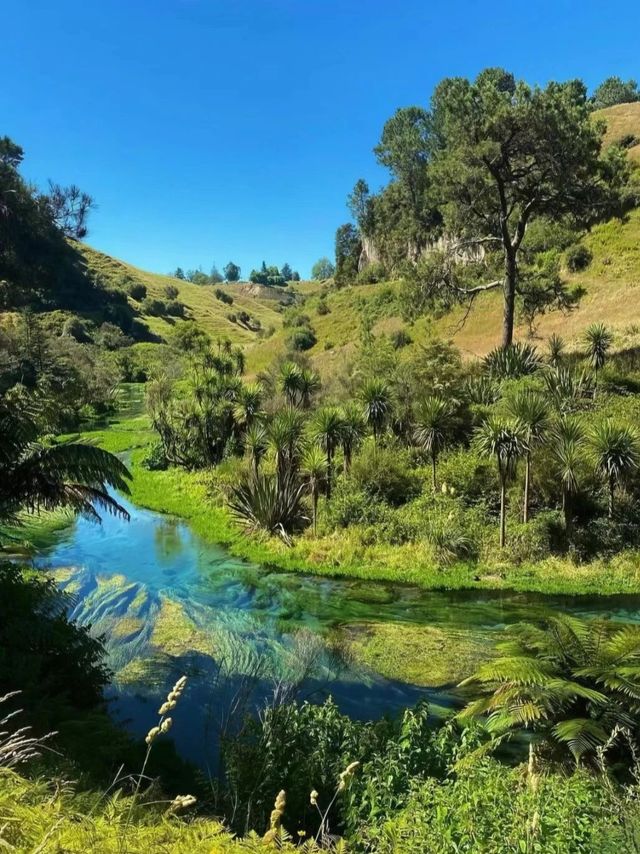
<point x="303" y="338"/>
<point x="516" y="360"/>
<point x="322" y="269"/>
<point x="574" y="683"/>
<point x="578" y="257"/>
<point x="385" y="473"/>
<point x="273" y="504"/>
<point x="614" y="91"/>
<point x="231" y="272"/>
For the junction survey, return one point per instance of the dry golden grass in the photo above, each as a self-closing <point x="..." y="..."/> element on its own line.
<point x="621" y="120"/>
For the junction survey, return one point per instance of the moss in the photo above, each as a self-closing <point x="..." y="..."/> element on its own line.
<point x="429" y="656"/>
<point x="175" y="632"/>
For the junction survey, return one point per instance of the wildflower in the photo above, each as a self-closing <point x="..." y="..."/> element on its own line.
<point x="168" y="706"/>
<point x="313" y="798"/>
<point x="165" y="726"/>
<point x="152" y="734"/>
<point x="348" y="771"/>
<point x="275" y="819"/>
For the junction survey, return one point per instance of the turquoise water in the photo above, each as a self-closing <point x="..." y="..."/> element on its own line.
<point x="168" y="603"/>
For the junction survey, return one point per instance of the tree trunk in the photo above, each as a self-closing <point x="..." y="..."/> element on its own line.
<point x="347" y="459"/>
<point x="503" y="513"/>
<point x="329" y="461"/>
<point x="612" y="486"/>
<point x="510" y="278"/>
<point x="433" y="471"/>
<point x="568" y="514"/>
<point x="314" y="499"/>
<point x="527" y="477"/>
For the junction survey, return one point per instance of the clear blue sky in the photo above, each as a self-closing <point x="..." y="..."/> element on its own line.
<point x="210" y="130"/>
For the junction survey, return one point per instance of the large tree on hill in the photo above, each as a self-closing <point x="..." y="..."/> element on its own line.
<point x="505" y="154"/>
<point x="614" y="91"/>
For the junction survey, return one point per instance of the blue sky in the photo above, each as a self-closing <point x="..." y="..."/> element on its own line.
<point x="210" y="130"/>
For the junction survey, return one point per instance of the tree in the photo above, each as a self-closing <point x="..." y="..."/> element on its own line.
<point x="231" y="272"/>
<point x="41" y="476"/>
<point x="573" y="682"/>
<point x="179" y="273"/>
<point x="308" y="384"/>
<point x="598" y="340"/>
<point x="322" y="269"/>
<point x="503" y="440"/>
<point x="506" y="154"/>
<point x="433" y="424"/>
<point x="255" y="444"/>
<point x="285" y="435"/>
<point x="348" y="246"/>
<point x="314" y="470"/>
<point x="615" y="450"/>
<point x="214" y="276"/>
<point x="327" y="432"/>
<point x="289" y="381"/>
<point x="353" y="431"/>
<point x="614" y="91"/>
<point x="567" y="449"/>
<point x="376" y="400"/>
<point x="286" y="272"/>
<point x="69" y="208"/>
<point x="530" y="410"/>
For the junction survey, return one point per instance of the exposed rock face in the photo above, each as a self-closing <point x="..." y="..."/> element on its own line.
<point x="370" y="254"/>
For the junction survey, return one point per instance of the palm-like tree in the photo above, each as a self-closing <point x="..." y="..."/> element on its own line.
<point x="308" y="385"/>
<point x="567" y="389"/>
<point x="289" y="381"/>
<point x="505" y="441"/>
<point x="598" y="340"/>
<point x="433" y="425"/>
<point x="37" y="476"/>
<point x="567" y="448"/>
<point x="353" y="431"/>
<point x="314" y="470"/>
<point x="248" y="406"/>
<point x="530" y="409"/>
<point x="285" y="434"/>
<point x="376" y="399"/>
<point x="615" y="449"/>
<point x="571" y="681"/>
<point x="327" y="432"/>
<point x="557" y="347"/>
<point x="255" y="444"/>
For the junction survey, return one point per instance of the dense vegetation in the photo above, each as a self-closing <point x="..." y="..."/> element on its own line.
<point x="407" y="460"/>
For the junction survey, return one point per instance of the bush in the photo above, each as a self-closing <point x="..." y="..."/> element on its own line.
<point x="303" y="338"/>
<point x="351" y="505"/>
<point x="175" y="308"/>
<point x="386" y="474"/>
<point x="471" y="476"/>
<point x="372" y="274"/>
<point x="74" y="328"/>
<point x="578" y="257"/>
<point x="155" y="458"/>
<point x="171" y="292"/>
<point x="153" y="307"/>
<point x="400" y="338"/>
<point x="323" y="308"/>
<point x="137" y="291"/>
<point x="223" y="297"/>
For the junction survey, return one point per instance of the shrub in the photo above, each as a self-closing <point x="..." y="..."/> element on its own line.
<point x="155" y="458"/>
<point x="323" y="308"/>
<point x="111" y="337"/>
<point x="351" y="505"/>
<point x="73" y="327"/>
<point x="386" y="474"/>
<point x="400" y="338"/>
<point x="471" y="476"/>
<point x="223" y="297"/>
<point x="153" y="307"/>
<point x="175" y="308"/>
<point x="509" y="363"/>
<point x="137" y="291"/>
<point x="171" y="292"/>
<point x="578" y="257"/>
<point x="303" y="338"/>
<point x="244" y="318"/>
<point x="372" y="274"/>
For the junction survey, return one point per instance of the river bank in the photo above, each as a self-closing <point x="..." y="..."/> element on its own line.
<point x="195" y="497"/>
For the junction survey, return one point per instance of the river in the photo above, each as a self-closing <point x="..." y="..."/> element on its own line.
<point x="169" y="603"/>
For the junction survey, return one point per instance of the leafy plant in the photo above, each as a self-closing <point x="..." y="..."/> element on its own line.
<point x="574" y="683"/>
<point x="505" y="441"/>
<point x="269" y="503"/>
<point x="615" y="449"/>
<point x="433" y="426"/>
<point x="510" y="363"/>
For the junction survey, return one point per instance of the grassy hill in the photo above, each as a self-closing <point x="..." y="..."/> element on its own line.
<point x="264" y="305"/>
<point x="622" y="120"/>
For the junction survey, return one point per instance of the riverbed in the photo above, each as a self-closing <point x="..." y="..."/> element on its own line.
<point x="169" y="603"/>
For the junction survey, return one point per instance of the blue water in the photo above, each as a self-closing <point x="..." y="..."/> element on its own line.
<point x="243" y="631"/>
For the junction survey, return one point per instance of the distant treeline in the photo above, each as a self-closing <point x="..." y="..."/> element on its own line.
<point x="269" y="275"/>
